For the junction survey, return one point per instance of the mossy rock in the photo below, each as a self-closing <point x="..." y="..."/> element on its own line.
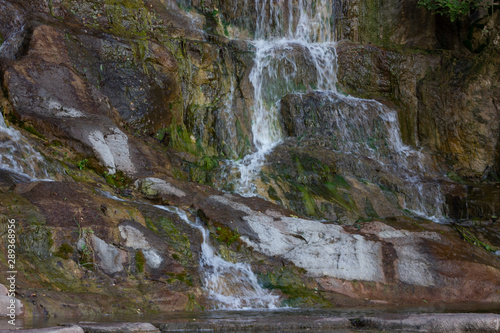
<point x="298" y="290"/>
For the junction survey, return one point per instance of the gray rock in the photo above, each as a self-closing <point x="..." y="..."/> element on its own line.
<point x="154" y="186"/>
<point x="5" y="301"/>
<point x="323" y="250"/>
<point x="436" y="322"/>
<point x="68" y="329"/>
<point x="109" y="257"/>
<point x="118" y="327"/>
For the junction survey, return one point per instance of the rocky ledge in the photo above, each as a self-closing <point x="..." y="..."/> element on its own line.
<point x="436" y="323"/>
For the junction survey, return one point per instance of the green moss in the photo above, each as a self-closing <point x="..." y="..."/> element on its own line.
<point x="181" y="139"/>
<point x="209" y="163"/>
<point x="151" y="225"/>
<point x="24" y="125"/>
<point x="273" y="194"/>
<point x="181" y="277"/>
<point x="193" y="304"/>
<point x="64" y="251"/>
<point x="289" y="280"/>
<point x="455" y="177"/>
<point x="307" y="200"/>
<point x="226" y="236"/>
<point x="140" y="261"/>
<point x="369" y="210"/>
<point x="119" y="179"/>
<point x="203" y="171"/>
<point x="177" y="240"/>
<point x="36" y="241"/>
<point x="128" y="17"/>
<point x="161" y="134"/>
<point x="56" y="143"/>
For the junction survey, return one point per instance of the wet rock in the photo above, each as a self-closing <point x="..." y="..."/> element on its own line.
<point x="109" y="258"/>
<point x="387" y="75"/>
<point x="7" y="301"/>
<point x="297" y="323"/>
<point x="461" y="118"/>
<point x="154" y="187"/>
<point x="57" y="329"/>
<point x="154" y="249"/>
<point x="437" y="322"/>
<point x="118" y="327"/>
<point x="301" y="241"/>
<point x="379" y="255"/>
<point x="392" y="22"/>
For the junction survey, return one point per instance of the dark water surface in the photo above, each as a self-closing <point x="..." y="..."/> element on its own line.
<point x="279" y="320"/>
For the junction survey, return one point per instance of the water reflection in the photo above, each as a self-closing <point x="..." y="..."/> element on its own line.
<point x="262" y="320"/>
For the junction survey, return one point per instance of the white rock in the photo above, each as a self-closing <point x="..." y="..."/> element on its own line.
<point x="5" y="301"/>
<point x="136" y="240"/>
<point x="112" y="149"/>
<point x="102" y="150"/>
<point x="62" y="111"/>
<point x="155" y="186"/>
<point x="110" y="258"/>
<point x="323" y="250"/>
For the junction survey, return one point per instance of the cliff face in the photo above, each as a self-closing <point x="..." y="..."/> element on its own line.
<point x="442" y="76"/>
<point x="127" y="104"/>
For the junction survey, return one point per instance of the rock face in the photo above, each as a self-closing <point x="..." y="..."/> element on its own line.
<point x="129" y="104"/>
<point x="446" y="97"/>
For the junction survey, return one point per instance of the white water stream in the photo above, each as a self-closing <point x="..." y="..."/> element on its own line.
<point x="230" y="285"/>
<point x="288" y="35"/>
<point x="18" y="156"/>
<point x="295" y="53"/>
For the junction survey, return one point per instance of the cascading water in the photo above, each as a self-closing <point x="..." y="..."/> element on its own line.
<point x="294" y="53"/>
<point x="17" y="155"/>
<point x="230" y="285"/>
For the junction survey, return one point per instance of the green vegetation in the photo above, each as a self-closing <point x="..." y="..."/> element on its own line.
<point x="11" y="118"/>
<point x="468" y="236"/>
<point x="177" y="239"/>
<point x="82" y="164"/>
<point x="452" y="9"/>
<point x="181" y="277"/>
<point x="64" y="251"/>
<point x="140" y="260"/>
<point x="118" y="179"/>
<point x="289" y="280"/>
<point x="202" y="172"/>
<point x="226" y="235"/>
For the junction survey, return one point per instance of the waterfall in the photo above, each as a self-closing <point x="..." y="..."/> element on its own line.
<point x="18" y="156"/>
<point x="295" y="53"/>
<point x="229" y="285"/>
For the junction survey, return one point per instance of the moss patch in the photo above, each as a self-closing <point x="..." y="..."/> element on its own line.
<point x="289" y="280"/>
<point x="64" y="251"/>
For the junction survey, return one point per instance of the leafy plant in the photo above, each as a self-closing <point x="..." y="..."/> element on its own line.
<point x="451" y="8"/>
<point x="471" y="238"/>
<point x="82" y="164"/>
<point x="226" y="235"/>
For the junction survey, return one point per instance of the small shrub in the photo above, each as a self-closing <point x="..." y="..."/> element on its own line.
<point x="453" y="9"/>
<point x="82" y="164"/>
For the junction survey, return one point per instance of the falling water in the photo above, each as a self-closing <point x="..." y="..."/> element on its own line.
<point x="18" y="156"/>
<point x="294" y="52"/>
<point x="229" y="285"/>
